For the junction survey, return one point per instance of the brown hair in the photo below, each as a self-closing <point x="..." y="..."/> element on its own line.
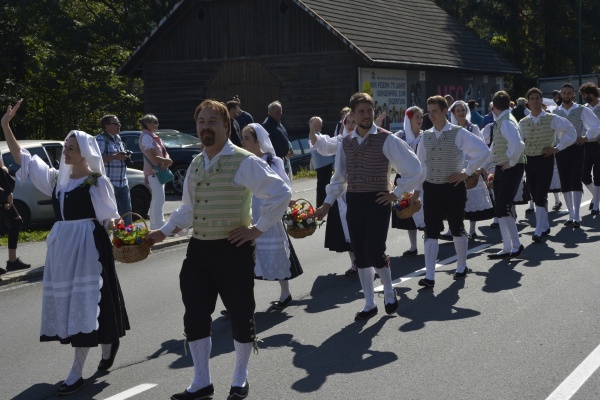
<point x="217" y="106"/>
<point x="532" y="91"/>
<point x="360" y="98"/>
<point x="501" y="100"/>
<point x="589" y="88"/>
<point x="106" y="120"/>
<point x="252" y="132"/>
<point x="439" y="100"/>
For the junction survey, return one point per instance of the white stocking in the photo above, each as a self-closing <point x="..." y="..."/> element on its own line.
<point x="505" y="234"/>
<point x="541" y="220"/>
<point x="366" y="276"/>
<point x="597" y="197"/>
<point x="200" y="350"/>
<point x="556" y="198"/>
<point x="285" y="289"/>
<point x="569" y="202"/>
<point x="385" y="274"/>
<point x="412" y="236"/>
<point x="576" y="205"/>
<point x="242" y="356"/>
<point x="472" y="227"/>
<point x="352" y="258"/>
<point x="460" y="245"/>
<point x="78" y="363"/>
<point x="592" y="190"/>
<point x="106" y="348"/>
<point x="432" y="247"/>
<point x="511" y="225"/>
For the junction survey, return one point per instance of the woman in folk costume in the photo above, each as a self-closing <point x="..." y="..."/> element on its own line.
<point x="479" y="205"/>
<point x="337" y="237"/>
<point x="82" y="303"/>
<point x="411" y="134"/>
<point x="275" y="256"/>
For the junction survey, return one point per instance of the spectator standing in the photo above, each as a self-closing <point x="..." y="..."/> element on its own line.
<point x="236" y="133"/>
<point x="243" y="118"/>
<point x="278" y="134"/>
<point x="339" y="127"/>
<point x="115" y="160"/>
<point x="476" y="118"/>
<point x="323" y="164"/>
<point x="489" y="117"/>
<point x="520" y="111"/>
<point x="12" y="217"/>
<point x="155" y="155"/>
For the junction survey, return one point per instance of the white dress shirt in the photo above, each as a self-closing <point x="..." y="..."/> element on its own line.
<point x="563" y="128"/>
<point x="254" y="174"/>
<point x="470" y="144"/>
<point x="591" y="123"/>
<point x="395" y="150"/>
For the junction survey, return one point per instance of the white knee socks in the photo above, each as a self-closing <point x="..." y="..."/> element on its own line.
<point x="576" y="205"/>
<point x="432" y="247"/>
<point x="460" y="245"/>
<point x="556" y="198"/>
<point x="366" y="276"/>
<point x="106" y="348"/>
<point x="242" y="356"/>
<point x="511" y="225"/>
<point x="200" y="350"/>
<point x="78" y="363"/>
<point x="385" y="274"/>
<point x="569" y="202"/>
<point x="541" y="220"/>
<point x="505" y="234"/>
<point x="285" y="289"/>
<point x="472" y="227"/>
<point x="592" y="190"/>
<point x="597" y="198"/>
<point x="412" y="236"/>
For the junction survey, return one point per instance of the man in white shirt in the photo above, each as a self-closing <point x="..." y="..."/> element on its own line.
<point x="590" y="93"/>
<point x="217" y="195"/>
<point x="442" y="152"/>
<point x="362" y="169"/>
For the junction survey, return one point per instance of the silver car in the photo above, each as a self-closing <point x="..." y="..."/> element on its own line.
<point x="34" y="206"/>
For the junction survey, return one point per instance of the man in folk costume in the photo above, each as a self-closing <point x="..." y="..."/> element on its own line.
<point x="442" y="153"/>
<point x="506" y="154"/>
<point x="590" y="93"/>
<point x="362" y="169"/>
<point x="570" y="162"/>
<point x="216" y="202"/>
<point x="539" y="130"/>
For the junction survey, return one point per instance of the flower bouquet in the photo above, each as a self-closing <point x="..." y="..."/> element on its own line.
<point x="128" y="246"/>
<point x="490" y="181"/>
<point x="403" y="208"/>
<point x="299" y="219"/>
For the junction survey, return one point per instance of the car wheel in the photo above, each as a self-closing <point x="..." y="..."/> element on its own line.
<point x="140" y="200"/>
<point x="179" y="172"/>
<point x="24" y="212"/>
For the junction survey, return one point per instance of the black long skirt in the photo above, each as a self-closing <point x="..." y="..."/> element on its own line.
<point x="334" y="232"/>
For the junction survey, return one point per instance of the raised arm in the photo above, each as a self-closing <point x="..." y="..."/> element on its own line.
<point x="11" y="141"/>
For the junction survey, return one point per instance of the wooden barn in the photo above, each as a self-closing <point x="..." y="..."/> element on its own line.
<point x="311" y="55"/>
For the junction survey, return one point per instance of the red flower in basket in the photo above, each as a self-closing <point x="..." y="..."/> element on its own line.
<point x="403" y="202"/>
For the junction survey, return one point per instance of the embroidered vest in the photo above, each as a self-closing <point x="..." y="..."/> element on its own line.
<point x="219" y="205"/>
<point x="443" y="158"/>
<point x="537" y="136"/>
<point x="501" y="144"/>
<point x="367" y="168"/>
<point x="574" y="117"/>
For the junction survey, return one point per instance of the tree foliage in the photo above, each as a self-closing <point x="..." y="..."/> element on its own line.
<point x="61" y="57"/>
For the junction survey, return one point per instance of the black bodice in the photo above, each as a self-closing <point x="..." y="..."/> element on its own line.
<point x="78" y="204"/>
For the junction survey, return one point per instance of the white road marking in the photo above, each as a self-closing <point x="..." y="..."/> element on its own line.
<point x="571" y="385"/>
<point x="132" y="392"/>
<point x="420" y="272"/>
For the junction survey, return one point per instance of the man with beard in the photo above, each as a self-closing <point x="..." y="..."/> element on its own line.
<point x="362" y="169"/>
<point x="570" y="162"/>
<point x="217" y="195"/>
<point x="590" y="93"/>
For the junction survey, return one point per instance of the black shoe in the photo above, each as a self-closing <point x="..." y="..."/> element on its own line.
<point x="446" y="237"/>
<point x="461" y="275"/>
<point x="410" y="253"/>
<point x="518" y="252"/>
<point x="591" y="206"/>
<point x="280" y="305"/>
<point x="16" y="265"/>
<point x="576" y="224"/>
<point x="364" y="315"/>
<point x="529" y="211"/>
<point x="494" y="225"/>
<point x="536" y="239"/>
<point x="473" y="235"/>
<point x="2" y="271"/>
<point x="352" y="271"/>
<point x="237" y="392"/>
<point x="225" y="313"/>
<point x="498" y="256"/>
<point x="595" y="212"/>
<point x="106" y="364"/>
<point x="392" y="307"/>
<point x="546" y="232"/>
<point x="568" y="222"/>
<point x="426" y="282"/>
<point x="65" y="389"/>
<point x="203" y="393"/>
<point x="557" y="206"/>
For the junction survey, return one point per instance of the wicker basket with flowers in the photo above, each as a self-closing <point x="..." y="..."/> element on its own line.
<point x="403" y="208"/>
<point x="299" y="219"/>
<point x="128" y="246"/>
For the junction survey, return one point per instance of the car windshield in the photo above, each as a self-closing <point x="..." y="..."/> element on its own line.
<point x="171" y="140"/>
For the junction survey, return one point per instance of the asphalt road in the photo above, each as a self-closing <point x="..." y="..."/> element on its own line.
<point x="512" y="330"/>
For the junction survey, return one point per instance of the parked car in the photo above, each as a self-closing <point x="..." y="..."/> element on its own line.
<point x="36" y="207"/>
<point x="182" y="149"/>
<point x="302" y="156"/>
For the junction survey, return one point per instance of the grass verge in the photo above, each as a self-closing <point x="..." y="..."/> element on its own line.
<point x="305" y="173"/>
<point x="30" y="235"/>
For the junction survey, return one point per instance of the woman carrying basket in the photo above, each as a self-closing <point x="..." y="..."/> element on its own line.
<point x="82" y="303"/>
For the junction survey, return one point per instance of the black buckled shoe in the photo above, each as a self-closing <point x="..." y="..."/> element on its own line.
<point x="391" y="308"/>
<point x="536" y="239"/>
<point x="65" y="389"/>
<point x="546" y="232"/>
<point x="426" y="282"/>
<point x="498" y="256"/>
<point x="461" y="275"/>
<point x="576" y="224"/>
<point x="364" y="315"/>
<point x="518" y="252"/>
<point x="595" y="212"/>
<point x="410" y="253"/>
<point x="106" y="364"/>
<point x="203" y="393"/>
<point x="237" y="392"/>
<point x="557" y="206"/>
<point x="494" y="225"/>
<point x="280" y="305"/>
<point x="568" y="222"/>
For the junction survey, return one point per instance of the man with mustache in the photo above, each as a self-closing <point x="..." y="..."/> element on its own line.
<point x="570" y="162"/>
<point x="590" y="93"/>
<point x="362" y="170"/>
<point x="217" y="194"/>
